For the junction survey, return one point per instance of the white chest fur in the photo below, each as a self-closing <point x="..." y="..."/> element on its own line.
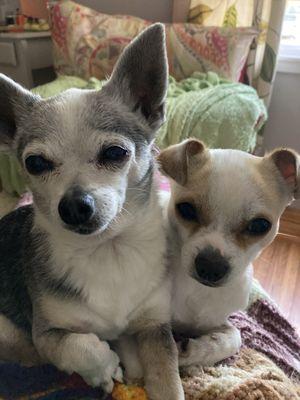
<point x="203" y="308"/>
<point x="116" y="277"/>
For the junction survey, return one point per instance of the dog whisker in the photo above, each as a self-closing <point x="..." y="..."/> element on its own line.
<point x="127" y="212"/>
<point x="138" y="190"/>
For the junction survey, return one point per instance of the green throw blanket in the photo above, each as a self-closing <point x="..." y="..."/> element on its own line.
<point x="221" y="113"/>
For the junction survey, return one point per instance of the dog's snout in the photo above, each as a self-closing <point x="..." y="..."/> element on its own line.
<point x="76" y="208"/>
<point x="211" y="267"/>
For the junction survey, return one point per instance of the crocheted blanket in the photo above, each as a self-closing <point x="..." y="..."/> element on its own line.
<point x="221" y="113"/>
<point x="267" y="367"/>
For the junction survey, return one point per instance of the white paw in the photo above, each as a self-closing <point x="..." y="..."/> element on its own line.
<point x="189" y="352"/>
<point x="93" y="360"/>
<point x="103" y="369"/>
<point x="209" y="349"/>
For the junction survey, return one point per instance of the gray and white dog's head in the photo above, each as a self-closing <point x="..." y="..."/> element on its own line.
<point x="85" y="152"/>
<point x="226" y="204"/>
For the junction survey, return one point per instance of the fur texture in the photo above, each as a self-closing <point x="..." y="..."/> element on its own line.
<point x="213" y="241"/>
<point x="87" y="263"/>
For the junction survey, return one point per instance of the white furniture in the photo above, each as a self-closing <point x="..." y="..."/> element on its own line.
<point x="27" y="57"/>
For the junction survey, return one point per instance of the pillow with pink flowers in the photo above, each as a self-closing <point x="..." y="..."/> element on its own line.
<point x="88" y="43"/>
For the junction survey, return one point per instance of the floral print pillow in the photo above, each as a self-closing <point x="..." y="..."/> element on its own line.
<point x="223" y="50"/>
<point x="88" y="43"/>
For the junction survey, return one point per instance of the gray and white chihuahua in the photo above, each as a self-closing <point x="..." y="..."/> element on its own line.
<point x="86" y="263"/>
<point x="223" y="210"/>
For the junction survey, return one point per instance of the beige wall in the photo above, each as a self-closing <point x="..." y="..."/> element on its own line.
<point x="283" y="127"/>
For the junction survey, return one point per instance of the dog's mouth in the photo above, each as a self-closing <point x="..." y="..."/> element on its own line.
<point x="216" y="284"/>
<point x="92" y="228"/>
<point x="84" y="230"/>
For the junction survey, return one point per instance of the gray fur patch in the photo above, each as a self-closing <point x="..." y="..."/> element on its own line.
<point x="64" y="130"/>
<point x="15" y="302"/>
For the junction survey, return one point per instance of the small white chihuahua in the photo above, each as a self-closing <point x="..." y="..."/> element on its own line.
<point x="224" y="209"/>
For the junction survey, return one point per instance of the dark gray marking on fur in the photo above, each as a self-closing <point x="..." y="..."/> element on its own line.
<point x="145" y="184"/>
<point x="120" y="121"/>
<point x="15" y="302"/>
<point x="14" y="101"/>
<point x="161" y="334"/>
<point x="141" y="74"/>
<point x="43" y="278"/>
<point x="24" y="253"/>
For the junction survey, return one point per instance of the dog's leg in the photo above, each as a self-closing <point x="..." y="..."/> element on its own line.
<point x="84" y="354"/>
<point x="159" y="357"/>
<point x="15" y="345"/>
<point x="127" y="349"/>
<point x="210" y="348"/>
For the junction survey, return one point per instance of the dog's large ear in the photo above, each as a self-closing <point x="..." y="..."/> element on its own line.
<point x="287" y="162"/>
<point x="15" y="102"/>
<point x="176" y="160"/>
<point x="141" y="74"/>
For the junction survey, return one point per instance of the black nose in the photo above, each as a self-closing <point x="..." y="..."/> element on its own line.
<point x="211" y="267"/>
<point x="76" y="208"/>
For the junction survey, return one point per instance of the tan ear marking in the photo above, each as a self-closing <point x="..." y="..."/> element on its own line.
<point x="194" y="147"/>
<point x="287" y="162"/>
<point x="174" y="160"/>
<point x="172" y="164"/>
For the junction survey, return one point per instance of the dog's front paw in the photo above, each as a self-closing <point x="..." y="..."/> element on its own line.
<point x="104" y="368"/>
<point x="195" y="351"/>
<point x="94" y="361"/>
<point x="209" y="349"/>
<point x="186" y="351"/>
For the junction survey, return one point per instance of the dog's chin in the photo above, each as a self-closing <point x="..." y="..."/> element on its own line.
<point x="83" y="230"/>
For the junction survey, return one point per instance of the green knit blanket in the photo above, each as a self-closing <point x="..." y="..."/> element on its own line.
<point x="221" y="113"/>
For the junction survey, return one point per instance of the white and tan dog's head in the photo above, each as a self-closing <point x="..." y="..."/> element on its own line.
<point x="226" y="204"/>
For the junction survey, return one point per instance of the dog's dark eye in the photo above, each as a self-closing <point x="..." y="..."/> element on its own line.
<point x="187" y="211"/>
<point x="37" y="165"/>
<point x="114" y="154"/>
<point x="258" y="226"/>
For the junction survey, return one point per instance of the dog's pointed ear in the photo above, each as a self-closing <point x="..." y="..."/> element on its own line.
<point x="176" y="160"/>
<point x="140" y="76"/>
<point x="15" y="102"/>
<point x="287" y="162"/>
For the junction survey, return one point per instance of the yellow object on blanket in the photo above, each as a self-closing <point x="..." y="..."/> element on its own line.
<point x="130" y="392"/>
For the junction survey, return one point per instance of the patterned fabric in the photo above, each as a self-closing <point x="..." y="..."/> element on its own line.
<point x="269" y="18"/>
<point x="232" y="13"/>
<point x="267" y="367"/>
<point x="251" y="376"/>
<point x="264" y="329"/>
<point x="264" y="15"/>
<point x="192" y="48"/>
<point x="88" y="43"/>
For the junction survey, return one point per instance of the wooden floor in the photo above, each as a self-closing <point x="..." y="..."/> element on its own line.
<point x="278" y="270"/>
